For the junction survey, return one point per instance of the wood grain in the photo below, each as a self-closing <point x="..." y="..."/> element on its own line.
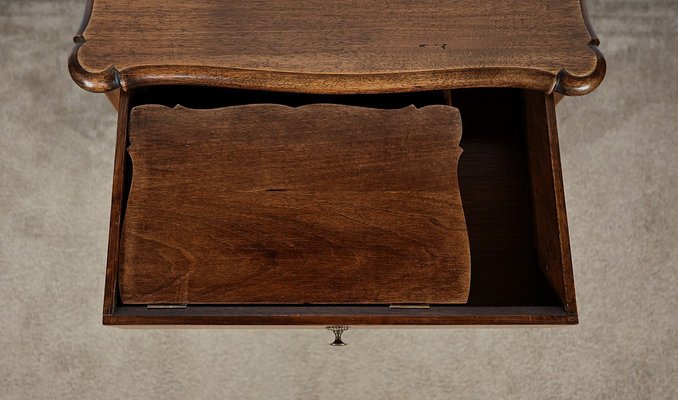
<point x="507" y="286"/>
<point x="118" y="198"/>
<point x="283" y="315"/>
<point x="494" y="179"/>
<point x="318" y="204"/>
<point x="553" y="240"/>
<point x="114" y="97"/>
<point x="342" y="46"/>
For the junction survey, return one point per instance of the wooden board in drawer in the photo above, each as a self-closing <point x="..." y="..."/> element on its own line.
<point x="269" y="204"/>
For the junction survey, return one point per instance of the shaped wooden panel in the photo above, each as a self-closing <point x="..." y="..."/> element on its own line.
<point x="268" y="204"/>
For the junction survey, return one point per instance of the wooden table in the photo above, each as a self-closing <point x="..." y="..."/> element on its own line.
<point x="347" y="162"/>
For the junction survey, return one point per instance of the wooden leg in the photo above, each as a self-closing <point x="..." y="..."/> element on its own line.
<point x="114" y="97"/>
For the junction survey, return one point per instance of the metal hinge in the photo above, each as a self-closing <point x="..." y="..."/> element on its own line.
<point x="164" y="306"/>
<point x="422" y="305"/>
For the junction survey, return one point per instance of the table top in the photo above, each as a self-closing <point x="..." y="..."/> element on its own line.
<point x="343" y="46"/>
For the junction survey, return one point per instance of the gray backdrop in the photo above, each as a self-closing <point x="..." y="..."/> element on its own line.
<point x="619" y="150"/>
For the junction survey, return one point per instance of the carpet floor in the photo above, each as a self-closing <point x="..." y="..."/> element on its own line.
<point x="620" y="160"/>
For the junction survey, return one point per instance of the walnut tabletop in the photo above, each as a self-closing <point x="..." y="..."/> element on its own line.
<point x="343" y="46"/>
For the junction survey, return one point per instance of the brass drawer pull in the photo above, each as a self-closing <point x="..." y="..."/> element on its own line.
<point x="337" y="330"/>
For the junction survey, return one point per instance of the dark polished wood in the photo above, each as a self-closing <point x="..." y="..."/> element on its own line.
<point x="338" y="47"/>
<point x="274" y="204"/>
<point x="114" y="97"/>
<point x="494" y="179"/>
<point x="118" y="201"/>
<point x="249" y="184"/>
<point x="507" y="284"/>
<point x="553" y="240"/>
<point x="340" y="315"/>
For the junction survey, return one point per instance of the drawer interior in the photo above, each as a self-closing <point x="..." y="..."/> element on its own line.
<point x="506" y="199"/>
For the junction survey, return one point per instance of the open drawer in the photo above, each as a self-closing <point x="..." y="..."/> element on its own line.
<point x="504" y="224"/>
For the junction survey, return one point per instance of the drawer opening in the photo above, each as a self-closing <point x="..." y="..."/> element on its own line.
<point x="495" y="180"/>
<point x="200" y="97"/>
<point x="495" y="184"/>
